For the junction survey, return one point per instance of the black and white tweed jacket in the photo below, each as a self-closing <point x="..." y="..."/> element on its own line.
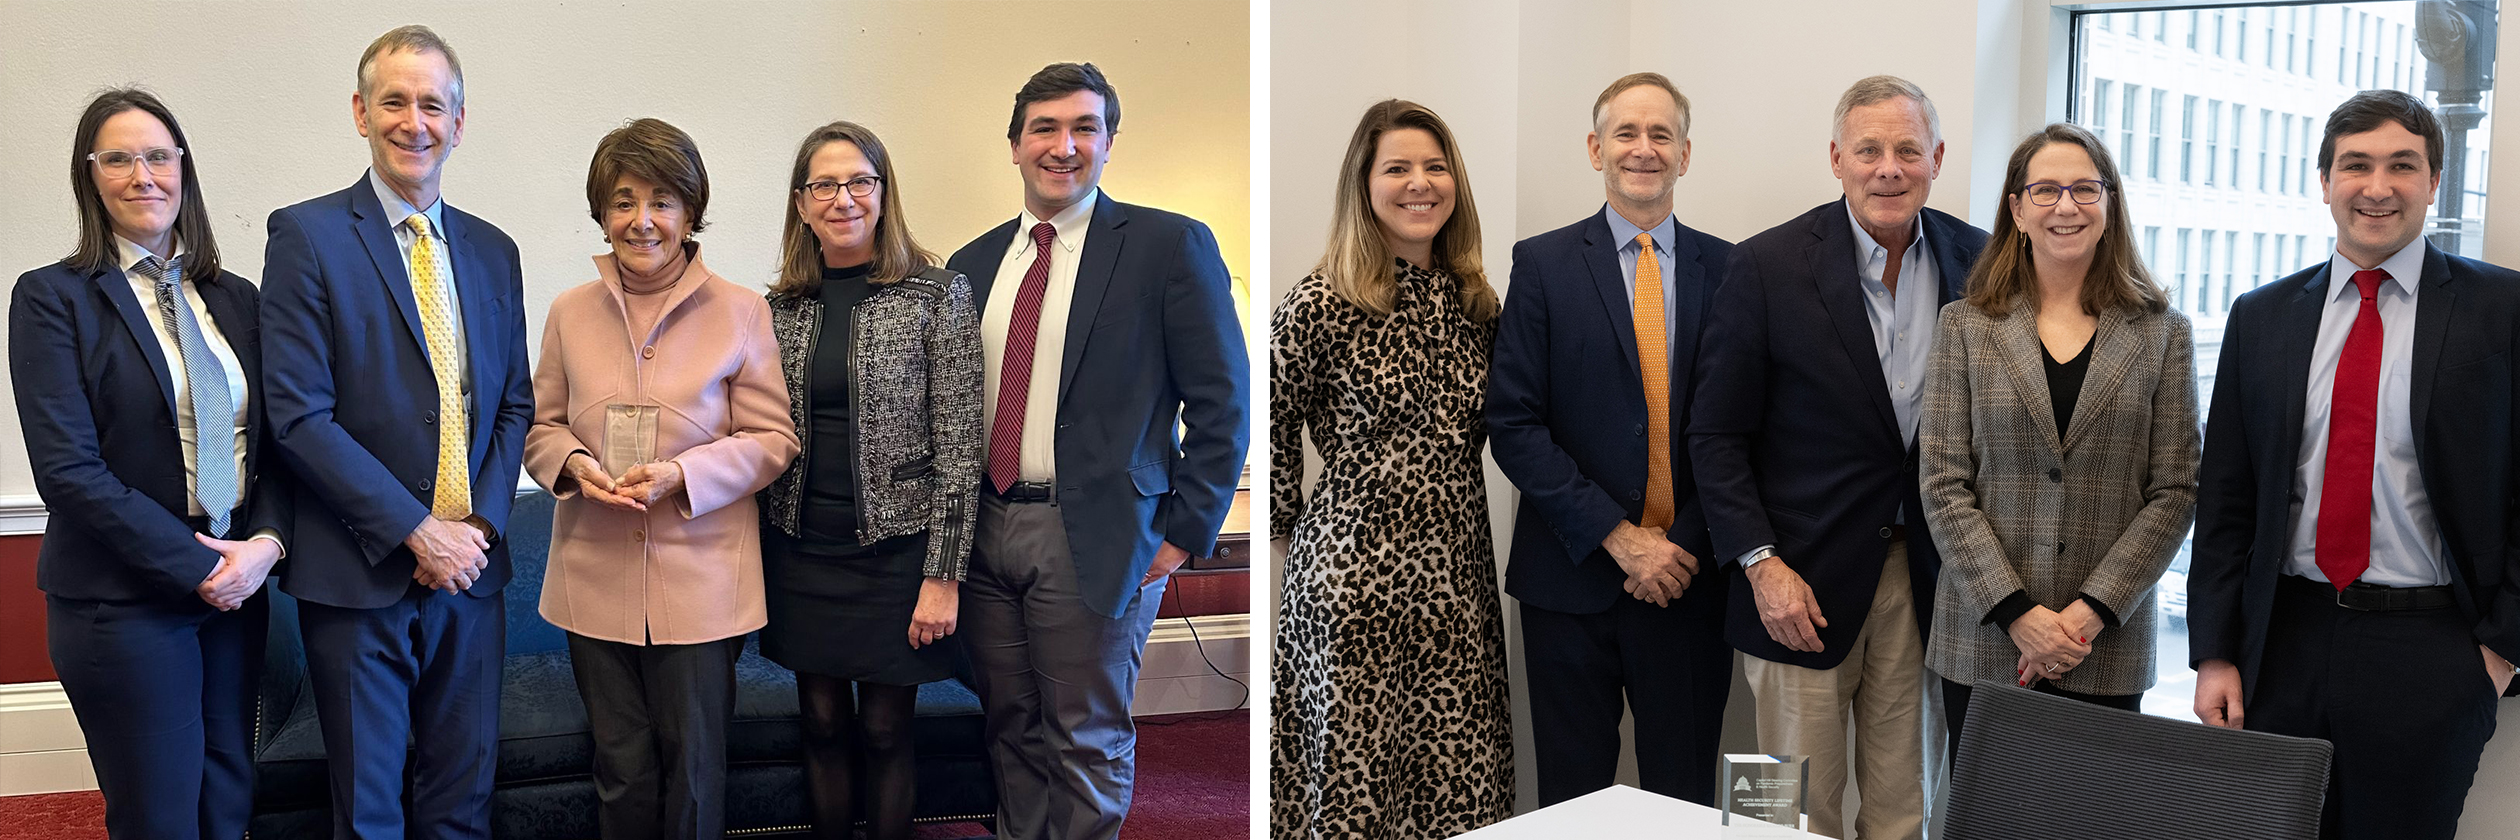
<point x="915" y="377"/>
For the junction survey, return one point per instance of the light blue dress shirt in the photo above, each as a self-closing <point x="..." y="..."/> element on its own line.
<point x="2405" y="537"/>
<point x="397" y="210"/>
<point x="1625" y="232"/>
<point x="1902" y="324"/>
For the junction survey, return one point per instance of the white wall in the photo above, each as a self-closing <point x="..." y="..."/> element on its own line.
<point x="263" y="87"/>
<point x="1516" y="81"/>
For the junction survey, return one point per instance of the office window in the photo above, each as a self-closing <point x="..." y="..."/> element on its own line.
<point x="2152" y="250"/>
<point x="2126" y="130"/>
<point x="2205" y="273"/>
<point x="2179" y="287"/>
<point x="2152" y="155"/>
<point x="2266" y="128"/>
<point x="2283" y="159"/>
<point x="2100" y="111"/>
<point x="2239" y="112"/>
<point x="2218" y="32"/>
<point x="2213" y="138"/>
<point x="2292" y="39"/>
<point x="2267" y="56"/>
<point x="2231" y="260"/>
<point x="2309" y="164"/>
<point x="2161" y="27"/>
<point x="2194" y="24"/>
<point x="2344" y="43"/>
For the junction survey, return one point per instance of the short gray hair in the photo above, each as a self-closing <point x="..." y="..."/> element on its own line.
<point x="1874" y="90"/>
<point x="415" y="38"/>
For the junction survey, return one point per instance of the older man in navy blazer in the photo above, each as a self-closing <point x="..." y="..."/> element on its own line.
<point x="1103" y="323"/>
<point x="399" y="392"/>
<point x="1808" y="387"/>
<point x="2357" y="556"/>
<point x="1587" y="395"/>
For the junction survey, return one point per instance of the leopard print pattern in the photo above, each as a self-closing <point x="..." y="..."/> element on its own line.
<point x="1390" y="715"/>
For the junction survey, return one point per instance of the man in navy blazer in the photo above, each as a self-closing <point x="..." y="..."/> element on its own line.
<point x="1103" y="325"/>
<point x="375" y="297"/>
<point x="1809" y="382"/>
<point x="1605" y="561"/>
<point x="2356" y="574"/>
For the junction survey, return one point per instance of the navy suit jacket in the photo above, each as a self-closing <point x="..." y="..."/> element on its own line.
<point x="1794" y="437"/>
<point x="1151" y="338"/>
<point x="97" y="406"/>
<point x="2466" y="445"/>
<point x="353" y="400"/>
<point x="1566" y="409"/>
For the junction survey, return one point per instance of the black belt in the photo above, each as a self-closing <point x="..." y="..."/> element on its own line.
<point x="1023" y="492"/>
<point x="2372" y="597"/>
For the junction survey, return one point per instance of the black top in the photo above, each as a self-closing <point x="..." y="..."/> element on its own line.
<point x="2065" y="381"/>
<point x="828" y="518"/>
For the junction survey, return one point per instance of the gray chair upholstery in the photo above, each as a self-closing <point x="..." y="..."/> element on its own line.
<point x="2131" y="775"/>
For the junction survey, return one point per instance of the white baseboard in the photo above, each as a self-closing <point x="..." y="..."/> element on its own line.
<point x="21" y="515"/>
<point x="42" y="751"/>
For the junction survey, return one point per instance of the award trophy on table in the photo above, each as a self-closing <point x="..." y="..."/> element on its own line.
<point x="1764" y="788"/>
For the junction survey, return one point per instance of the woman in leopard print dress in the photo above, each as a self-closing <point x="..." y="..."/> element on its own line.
<point x="1390" y="718"/>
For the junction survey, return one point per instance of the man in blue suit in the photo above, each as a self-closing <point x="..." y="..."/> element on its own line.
<point x="2357" y="566"/>
<point x="1587" y="397"/>
<point x="1103" y="323"/>
<point x="400" y="394"/>
<point x="1809" y="382"/>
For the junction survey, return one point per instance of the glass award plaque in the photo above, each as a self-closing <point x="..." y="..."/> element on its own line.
<point x="629" y="437"/>
<point x="1764" y="788"/>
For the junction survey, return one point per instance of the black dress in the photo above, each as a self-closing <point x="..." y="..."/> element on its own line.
<point x="838" y="608"/>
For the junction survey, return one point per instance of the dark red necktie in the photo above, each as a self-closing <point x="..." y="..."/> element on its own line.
<point x="1006" y="435"/>
<point x="2344" y="547"/>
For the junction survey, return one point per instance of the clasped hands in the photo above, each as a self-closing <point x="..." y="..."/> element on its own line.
<point x="450" y="554"/>
<point x="1657" y="570"/>
<point x="2052" y="642"/>
<point x="242" y="566"/>
<point x="640" y="486"/>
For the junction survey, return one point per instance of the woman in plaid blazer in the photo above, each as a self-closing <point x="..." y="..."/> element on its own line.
<point x="2059" y="442"/>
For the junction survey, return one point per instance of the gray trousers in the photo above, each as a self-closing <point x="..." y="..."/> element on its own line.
<point x="659" y="715"/>
<point x="1054" y="676"/>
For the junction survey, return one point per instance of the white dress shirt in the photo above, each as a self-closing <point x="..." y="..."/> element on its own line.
<point x="396" y="212"/>
<point x="1039" y="461"/>
<point x="2405" y="538"/>
<point x="212" y="335"/>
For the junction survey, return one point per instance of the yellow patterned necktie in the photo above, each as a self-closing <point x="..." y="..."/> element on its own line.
<point x="1654" y="357"/>
<point x="428" y="287"/>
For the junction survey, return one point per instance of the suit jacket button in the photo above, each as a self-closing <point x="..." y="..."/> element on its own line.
<point x="429" y="416"/>
<point x="2060" y="546"/>
<point x="638" y="535"/>
<point x="1885" y="532"/>
<point x="2055" y="475"/>
<point x="1634" y="495"/>
<point x="1640" y="428"/>
<point x="424" y="485"/>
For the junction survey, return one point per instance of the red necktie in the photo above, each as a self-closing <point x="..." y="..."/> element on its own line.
<point x="1006" y="435"/>
<point x="2344" y="546"/>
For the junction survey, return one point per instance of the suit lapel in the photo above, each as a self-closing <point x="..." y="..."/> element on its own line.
<point x="141" y="319"/>
<point x="1841" y="291"/>
<point x="992" y="254"/>
<point x="1601" y="257"/>
<point x="2113" y="351"/>
<point x="475" y="289"/>
<point x="1103" y="238"/>
<point x="376" y="234"/>
<point x="2438" y="300"/>
<point x="1689" y="287"/>
<point x="2297" y="329"/>
<point x="2025" y="361"/>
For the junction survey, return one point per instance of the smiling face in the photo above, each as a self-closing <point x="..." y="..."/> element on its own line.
<point x="646" y="224"/>
<point x="2379" y="188"/>
<point x="1061" y="149"/>
<point x="407" y="112"/>
<point x="844" y="225"/>
<point x="144" y="203"/>
<point x="2067" y="233"/>
<point x="1411" y="191"/>
<point x="1887" y="158"/>
<point x="1637" y="147"/>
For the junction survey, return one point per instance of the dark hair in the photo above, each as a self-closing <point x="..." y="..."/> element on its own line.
<point x="1059" y="80"/>
<point x="2004" y="270"/>
<point x="653" y="151"/>
<point x="2371" y="109"/>
<point x="96" y="248"/>
<point x="897" y="254"/>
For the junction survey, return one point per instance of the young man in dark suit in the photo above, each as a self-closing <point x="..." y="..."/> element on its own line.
<point x="1103" y="324"/>
<point x="2356" y="574"/>
<point x="1587" y="395"/>
<point x="399" y="392"/>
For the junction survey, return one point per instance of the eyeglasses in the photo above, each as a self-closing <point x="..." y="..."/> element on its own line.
<point x="2046" y="194"/>
<point x="116" y="163"/>
<point x="827" y="190"/>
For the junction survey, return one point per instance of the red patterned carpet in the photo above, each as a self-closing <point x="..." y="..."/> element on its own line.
<point x="1194" y="776"/>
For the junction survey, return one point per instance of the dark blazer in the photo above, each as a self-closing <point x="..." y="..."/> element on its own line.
<point x="97" y="407"/>
<point x="2467" y="446"/>
<point x="1794" y="437"/>
<point x="1568" y="427"/>
<point x="1151" y="338"/>
<point x="354" y="404"/>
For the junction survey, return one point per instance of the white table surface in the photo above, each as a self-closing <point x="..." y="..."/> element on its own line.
<point x="1621" y="811"/>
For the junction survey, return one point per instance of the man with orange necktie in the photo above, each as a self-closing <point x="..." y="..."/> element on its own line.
<point x="393" y="331"/>
<point x="1587" y="394"/>
<point x="2356" y="574"/>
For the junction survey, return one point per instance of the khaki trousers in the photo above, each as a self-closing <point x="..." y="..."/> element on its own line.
<point x="1804" y="711"/>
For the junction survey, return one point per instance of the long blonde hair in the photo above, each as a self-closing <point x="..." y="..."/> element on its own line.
<point x="1358" y="263"/>
<point x="2118" y="277"/>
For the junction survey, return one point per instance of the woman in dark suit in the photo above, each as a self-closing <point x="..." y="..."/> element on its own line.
<point x="869" y="530"/>
<point x="2059" y="442"/>
<point x="133" y="362"/>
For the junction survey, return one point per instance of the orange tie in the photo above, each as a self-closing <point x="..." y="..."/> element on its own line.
<point x="1655" y="358"/>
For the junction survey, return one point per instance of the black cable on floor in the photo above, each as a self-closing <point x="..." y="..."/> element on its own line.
<point x="1201" y="644"/>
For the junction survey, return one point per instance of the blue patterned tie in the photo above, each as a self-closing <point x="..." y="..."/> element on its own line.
<point x="214" y="429"/>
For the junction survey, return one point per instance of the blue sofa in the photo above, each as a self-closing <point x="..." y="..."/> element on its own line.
<point x="544" y="789"/>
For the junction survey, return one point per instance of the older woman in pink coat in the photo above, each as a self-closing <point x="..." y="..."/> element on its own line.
<point x="659" y="412"/>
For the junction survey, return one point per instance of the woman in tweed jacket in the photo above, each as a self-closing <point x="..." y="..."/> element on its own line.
<point x="868" y="533"/>
<point x="2059" y="443"/>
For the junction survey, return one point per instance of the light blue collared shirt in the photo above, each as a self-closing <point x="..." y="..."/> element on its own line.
<point x="396" y="211"/>
<point x="1902" y="324"/>
<point x="2405" y="537"/>
<point x="1625" y="233"/>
